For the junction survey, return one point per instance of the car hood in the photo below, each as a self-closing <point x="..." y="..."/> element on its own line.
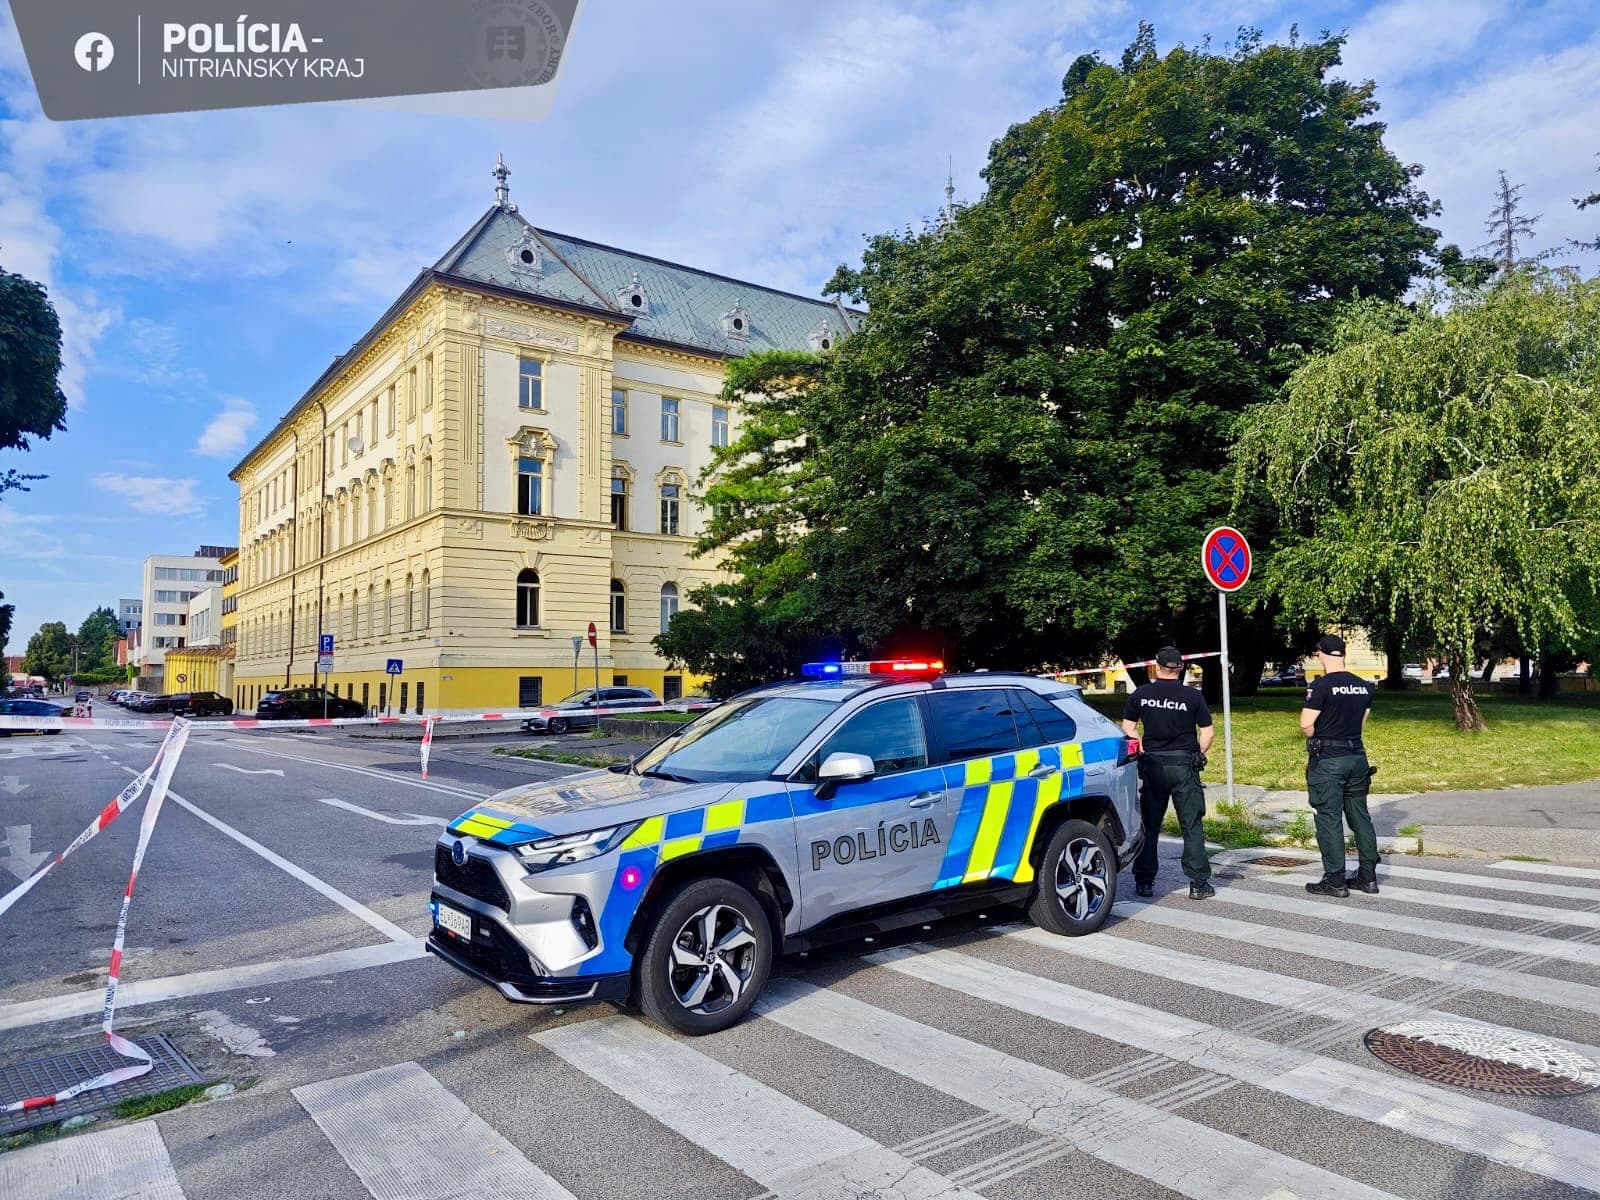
<point x="580" y="803"/>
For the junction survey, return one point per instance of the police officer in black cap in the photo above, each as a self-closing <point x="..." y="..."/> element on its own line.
<point x="1337" y="772"/>
<point x="1177" y="734"/>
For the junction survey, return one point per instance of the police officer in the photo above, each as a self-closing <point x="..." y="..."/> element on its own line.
<point x="1337" y="771"/>
<point x="1177" y="734"/>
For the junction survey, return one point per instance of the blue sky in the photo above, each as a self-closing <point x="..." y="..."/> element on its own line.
<point x="208" y="266"/>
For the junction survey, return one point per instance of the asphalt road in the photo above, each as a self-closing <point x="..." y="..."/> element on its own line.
<point x="1208" y="1050"/>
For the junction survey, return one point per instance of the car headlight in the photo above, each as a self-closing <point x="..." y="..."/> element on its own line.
<point x="572" y="847"/>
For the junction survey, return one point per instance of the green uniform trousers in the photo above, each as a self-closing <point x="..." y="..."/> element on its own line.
<point x="1338" y="786"/>
<point x="1177" y="780"/>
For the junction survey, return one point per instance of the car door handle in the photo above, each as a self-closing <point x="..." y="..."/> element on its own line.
<point x="925" y="799"/>
<point x="1042" y="770"/>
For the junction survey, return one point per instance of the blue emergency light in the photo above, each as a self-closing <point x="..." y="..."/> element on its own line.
<point x="904" y="668"/>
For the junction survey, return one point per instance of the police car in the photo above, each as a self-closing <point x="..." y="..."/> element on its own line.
<point x="862" y="797"/>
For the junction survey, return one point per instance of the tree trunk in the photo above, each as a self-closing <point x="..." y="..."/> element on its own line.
<point x="1468" y="718"/>
<point x="1489" y="665"/>
<point x="1524" y="676"/>
<point x="1394" y="653"/>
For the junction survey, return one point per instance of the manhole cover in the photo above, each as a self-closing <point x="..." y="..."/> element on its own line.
<point x="1279" y="860"/>
<point x="47" y="1076"/>
<point x="1488" y="1060"/>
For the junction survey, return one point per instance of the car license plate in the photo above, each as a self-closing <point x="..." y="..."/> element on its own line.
<point x="454" y="922"/>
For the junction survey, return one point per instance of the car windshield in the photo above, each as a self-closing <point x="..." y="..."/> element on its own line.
<point x="577" y="697"/>
<point x="741" y="740"/>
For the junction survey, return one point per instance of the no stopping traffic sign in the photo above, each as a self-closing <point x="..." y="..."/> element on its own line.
<point x="1225" y="558"/>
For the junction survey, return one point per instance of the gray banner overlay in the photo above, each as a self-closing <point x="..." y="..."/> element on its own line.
<point x="110" y="58"/>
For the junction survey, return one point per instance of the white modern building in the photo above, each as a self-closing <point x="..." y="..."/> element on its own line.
<point x="170" y="582"/>
<point x="205" y="617"/>
<point x="130" y="615"/>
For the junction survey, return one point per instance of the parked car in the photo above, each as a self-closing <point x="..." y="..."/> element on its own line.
<point x="200" y="704"/>
<point x="575" y="711"/>
<point x="1290" y="677"/>
<point x="29" y="708"/>
<point x="305" y="702"/>
<point x="131" y="697"/>
<point x="150" y="703"/>
<point x="81" y="696"/>
<point x="1412" y="671"/>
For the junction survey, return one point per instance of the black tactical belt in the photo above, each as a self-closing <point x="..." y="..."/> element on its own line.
<point x="1321" y="745"/>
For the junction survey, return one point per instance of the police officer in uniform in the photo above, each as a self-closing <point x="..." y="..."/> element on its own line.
<point x="1337" y="772"/>
<point x="1177" y="734"/>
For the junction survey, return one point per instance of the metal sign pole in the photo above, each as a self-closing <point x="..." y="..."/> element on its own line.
<point x="577" y="649"/>
<point x="1227" y="693"/>
<point x="597" y="672"/>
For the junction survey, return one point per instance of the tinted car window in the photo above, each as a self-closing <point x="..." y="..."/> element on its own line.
<point x="974" y="722"/>
<point x="890" y="734"/>
<point x="1041" y="723"/>
<point x="742" y="740"/>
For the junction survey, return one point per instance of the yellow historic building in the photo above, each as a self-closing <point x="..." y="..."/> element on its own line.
<point x="504" y="458"/>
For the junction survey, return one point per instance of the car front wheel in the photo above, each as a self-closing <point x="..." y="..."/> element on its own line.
<point x="706" y="959"/>
<point x="1077" y="881"/>
<point x="557" y="725"/>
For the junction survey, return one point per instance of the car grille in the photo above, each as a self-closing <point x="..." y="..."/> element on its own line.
<point x="493" y="951"/>
<point x="474" y="878"/>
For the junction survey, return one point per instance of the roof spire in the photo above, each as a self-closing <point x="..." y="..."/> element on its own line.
<point x="502" y="186"/>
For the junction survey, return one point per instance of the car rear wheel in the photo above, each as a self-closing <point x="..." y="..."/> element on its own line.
<point x="558" y="725"/>
<point x="706" y="959"/>
<point x="1077" y="881"/>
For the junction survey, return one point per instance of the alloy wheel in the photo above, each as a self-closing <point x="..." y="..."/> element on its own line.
<point x="713" y="958"/>
<point x="1081" y="878"/>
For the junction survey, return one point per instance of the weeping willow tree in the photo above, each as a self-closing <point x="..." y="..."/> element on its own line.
<point x="1443" y="464"/>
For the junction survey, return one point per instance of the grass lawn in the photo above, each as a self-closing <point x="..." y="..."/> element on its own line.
<point x="570" y="758"/>
<point x="1412" y="740"/>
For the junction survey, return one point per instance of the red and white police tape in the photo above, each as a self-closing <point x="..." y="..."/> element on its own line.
<point x="1147" y="662"/>
<point x="166" y="762"/>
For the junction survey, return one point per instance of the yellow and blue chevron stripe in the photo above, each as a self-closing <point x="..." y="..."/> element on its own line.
<point x="1002" y="802"/>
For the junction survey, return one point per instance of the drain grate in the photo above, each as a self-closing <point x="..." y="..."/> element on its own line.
<point x="1280" y="860"/>
<point x="1486" y="1060"/>
<point x="47" y="1076"/>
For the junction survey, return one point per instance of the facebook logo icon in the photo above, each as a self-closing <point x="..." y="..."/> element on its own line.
<point x="94" y="52"/>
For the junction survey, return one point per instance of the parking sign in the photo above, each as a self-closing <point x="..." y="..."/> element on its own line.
<point x="326" y="646"/>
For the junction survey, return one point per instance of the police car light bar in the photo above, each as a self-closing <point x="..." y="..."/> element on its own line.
<point x="909" y="668"/>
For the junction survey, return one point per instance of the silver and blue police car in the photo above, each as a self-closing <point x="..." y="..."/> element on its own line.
<point x="864" y="797"/>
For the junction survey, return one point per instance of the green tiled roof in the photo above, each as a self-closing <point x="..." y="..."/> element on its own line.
<point x="681" y="305"/>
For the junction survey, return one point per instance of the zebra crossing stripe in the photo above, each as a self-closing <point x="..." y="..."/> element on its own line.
<point x="1185" y="1156"/>
<point x="1458" y="1121"/>
<point x="407" y="1137"/>
<point x="788" y="1148"/>
<point x="1375" y="915"/>
<point x="1489" y="883"/>
<point x="1534" y="868"/>
<point x="1541" y="989"/>
<point x="126" y="1163"/>
<point x="1473" y="904"/>
<point x="1264" y="987"/>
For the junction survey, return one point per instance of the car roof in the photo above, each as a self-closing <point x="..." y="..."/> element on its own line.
<point x="839" y="690"/>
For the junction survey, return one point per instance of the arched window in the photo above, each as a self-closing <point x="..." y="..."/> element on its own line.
<point x="427" y="484"/>
<point x="619" y="607"/>
<point x="411" y="607"/>
<point x="669" y="604"/>
<point x="528" y="599"/>
<point x="372" y="509"/>
<point x="411" y="492"/>
<point x="427" y="602"/>
<point x="671" y="503"/>
<point x="388" y="600"/>
<point x="355" y="515"/>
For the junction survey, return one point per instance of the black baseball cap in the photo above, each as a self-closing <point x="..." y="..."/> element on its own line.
<point x="1169" y="657"/>
<point x="1331" y="643"/>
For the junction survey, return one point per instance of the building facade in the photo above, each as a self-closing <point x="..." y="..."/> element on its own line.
<point x="506" y="457"/>
<point x="169" y="582"/>
<point x="129" y="616"/>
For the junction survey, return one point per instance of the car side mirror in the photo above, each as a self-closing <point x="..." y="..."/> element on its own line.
<point x="842" y="767"/>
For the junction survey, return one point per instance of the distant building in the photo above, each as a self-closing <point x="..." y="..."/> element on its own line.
<point x="170" y="581"/>
<point x="129" y="616"/>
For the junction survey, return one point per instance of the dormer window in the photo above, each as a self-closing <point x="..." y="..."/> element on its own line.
<point x="822" y="338"/>
<point x="524" y="256"/>
<point x="632" y="299"/>
<point x="736" y="323"/>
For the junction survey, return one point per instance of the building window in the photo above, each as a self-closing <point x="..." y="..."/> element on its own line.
<point x="427" y="485"/>
<point x="411" y="492"/>
<point x="619" y="607"/>
<point x="427" y="383"/>
<point x="719" y="426"/>
<point x="388" y="603"/>
<point x="420" y="687"/>
<point x="427" y="602"/>
<point x="530" y="691"/>
<point x="672" y="687"/>
<point x="372" y="510"/>
<point x="619" y="681"/>
<point x="530" y="487"/>
<point x="528" y="599"/>
<point x="530" y="384"/>
<point x="669" y="419"/>
<point x="391" y="406"/>
<point x="670" y="502"/>
<point x="411" y="603"/>
<point x="411" y="394"/>
<point x="619" y="412"/>
<point x="619" y="502"/>
<point x="669" y="604"/>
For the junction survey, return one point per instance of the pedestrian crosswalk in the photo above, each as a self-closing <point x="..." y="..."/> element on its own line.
<point x="1210" y="1050"/>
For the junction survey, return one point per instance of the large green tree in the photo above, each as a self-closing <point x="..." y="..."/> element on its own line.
<point x="1440" y="464"/>
<point x="97" y="640"/>
<point x="49" y="652"/>
<point x="1014" y="461"/>
<point x="32" y="403"/>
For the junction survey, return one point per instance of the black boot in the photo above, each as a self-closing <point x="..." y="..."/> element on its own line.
<point x="1144" y="889"/>
<point x="1201" y="889"/>
<point x="1329" y="885"/>
<point x="1361" y="882"/>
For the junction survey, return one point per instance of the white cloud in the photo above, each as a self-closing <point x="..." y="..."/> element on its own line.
<point x="153" y="493"/>
<point x="1405" y="38"/>
<point x="229" y="431"/>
